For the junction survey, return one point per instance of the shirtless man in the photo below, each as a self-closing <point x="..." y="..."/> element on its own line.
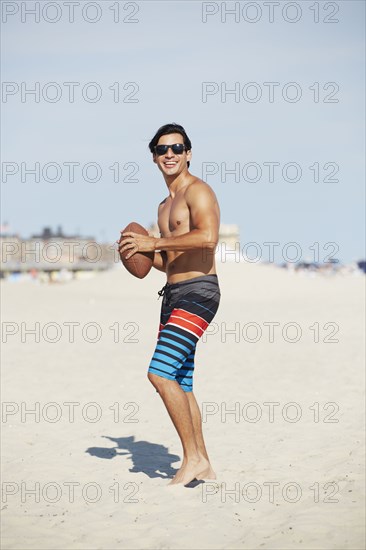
<point x="188" y="220"/>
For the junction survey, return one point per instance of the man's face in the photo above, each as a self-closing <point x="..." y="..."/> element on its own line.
<point x="171" y="164"/>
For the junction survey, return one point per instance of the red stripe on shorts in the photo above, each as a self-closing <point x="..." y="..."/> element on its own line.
<point x="188" y="320"/>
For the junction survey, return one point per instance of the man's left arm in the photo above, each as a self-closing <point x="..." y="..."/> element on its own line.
<point x="202" y="204"/>
<point x="203" y="207"/>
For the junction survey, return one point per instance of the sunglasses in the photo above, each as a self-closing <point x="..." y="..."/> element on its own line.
<point x="177" y="148"/>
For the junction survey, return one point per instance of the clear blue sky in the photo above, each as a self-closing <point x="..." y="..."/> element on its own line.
<point x="169" y="52"/>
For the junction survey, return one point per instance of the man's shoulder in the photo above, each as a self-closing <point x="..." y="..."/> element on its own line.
<point x="198" y="187"/>
<point x="162" y="202"/>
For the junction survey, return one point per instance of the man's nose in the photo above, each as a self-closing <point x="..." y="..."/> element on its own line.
<point x="169" y="152"/>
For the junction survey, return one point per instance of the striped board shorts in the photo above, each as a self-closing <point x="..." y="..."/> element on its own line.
<point x="187" y="309"/>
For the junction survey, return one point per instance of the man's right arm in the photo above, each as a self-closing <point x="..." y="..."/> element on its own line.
<point x="160" y="259"/>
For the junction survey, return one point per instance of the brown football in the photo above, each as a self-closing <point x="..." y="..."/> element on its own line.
<point x="140" y="263"/>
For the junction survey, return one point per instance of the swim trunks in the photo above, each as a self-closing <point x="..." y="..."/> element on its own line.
<point x="187" y="309"/>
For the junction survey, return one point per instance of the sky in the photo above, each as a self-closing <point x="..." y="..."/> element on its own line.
<point x="271" y="95"/>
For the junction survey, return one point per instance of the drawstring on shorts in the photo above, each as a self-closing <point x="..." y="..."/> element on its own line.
<point x="165" y="291"/>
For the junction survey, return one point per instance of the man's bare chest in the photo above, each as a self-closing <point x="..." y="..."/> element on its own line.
<point x="174" y="215"/>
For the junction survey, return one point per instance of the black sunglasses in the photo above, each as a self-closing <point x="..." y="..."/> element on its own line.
<point x="177" y="149"/>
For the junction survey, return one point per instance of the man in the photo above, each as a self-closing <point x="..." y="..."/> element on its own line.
<point x="188" y="219"/>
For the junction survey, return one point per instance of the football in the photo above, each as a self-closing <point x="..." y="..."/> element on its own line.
<point x="140" y="263"/>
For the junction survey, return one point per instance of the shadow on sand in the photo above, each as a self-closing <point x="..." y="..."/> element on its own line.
<point x="150" y="458"/>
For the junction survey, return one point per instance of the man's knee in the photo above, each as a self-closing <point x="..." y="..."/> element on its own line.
<point x="159" y="382"/>
<point x="151" y="377"/>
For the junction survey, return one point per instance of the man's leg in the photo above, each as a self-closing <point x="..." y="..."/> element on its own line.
<point x="184" y="377"/>
<point x="178" y="407"/>
<point x="198" y="434"/>
<point x="183" y="322"/>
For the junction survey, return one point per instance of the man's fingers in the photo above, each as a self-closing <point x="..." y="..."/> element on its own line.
<point x="125" y="241"/>
<point x="127" y="246"/>
<point x="133" y="251"/>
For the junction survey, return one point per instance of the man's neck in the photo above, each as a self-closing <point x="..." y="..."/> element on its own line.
<point x="175" y="183"/>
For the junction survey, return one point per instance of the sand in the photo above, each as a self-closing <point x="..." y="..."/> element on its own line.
<point x="89" y="467"/>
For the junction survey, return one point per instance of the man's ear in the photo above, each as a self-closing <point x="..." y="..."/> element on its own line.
<point x="189" y="155"/>
<point x="154" y="158"/>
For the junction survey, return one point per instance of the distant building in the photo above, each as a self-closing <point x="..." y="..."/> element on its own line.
<point x="52" y="251"/>
<point x="47" y="235"/>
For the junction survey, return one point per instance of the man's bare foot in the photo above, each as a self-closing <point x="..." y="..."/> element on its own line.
<point x="208" y="473"/>
<point x="190" y="470"/>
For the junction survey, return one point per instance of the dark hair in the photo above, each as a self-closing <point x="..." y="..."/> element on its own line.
<point x="171" y="128"/>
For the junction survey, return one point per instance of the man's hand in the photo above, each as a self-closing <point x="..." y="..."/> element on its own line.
<point x="135" y="243"/>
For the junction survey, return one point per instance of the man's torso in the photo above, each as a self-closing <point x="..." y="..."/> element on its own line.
<point x="174" y="219"/>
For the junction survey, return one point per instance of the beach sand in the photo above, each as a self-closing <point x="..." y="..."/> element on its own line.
<point x="283" y="419"/>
